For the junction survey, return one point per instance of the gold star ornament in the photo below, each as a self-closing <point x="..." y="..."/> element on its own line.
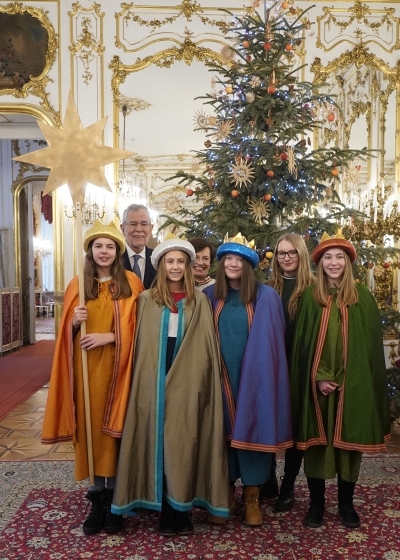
<point x="75" y="155"/>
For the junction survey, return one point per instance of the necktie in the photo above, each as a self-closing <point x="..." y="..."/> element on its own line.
<point x="136" y="268"/>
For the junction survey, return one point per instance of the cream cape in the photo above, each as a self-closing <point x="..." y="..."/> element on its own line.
<point x="174" y="423"/>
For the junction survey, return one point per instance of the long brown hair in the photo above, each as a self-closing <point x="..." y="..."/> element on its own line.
<point x="119" y="286"/>
<point x="304" y="275"/>
<point x="161" y="294"/>
<point x="248" y="283"/>
<point x="347" y="293"/>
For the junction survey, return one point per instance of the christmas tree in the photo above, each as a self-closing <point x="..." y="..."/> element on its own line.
<point x="260" y="174"/>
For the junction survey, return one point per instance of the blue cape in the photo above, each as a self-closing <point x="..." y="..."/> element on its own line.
<point x="261" y="420"/>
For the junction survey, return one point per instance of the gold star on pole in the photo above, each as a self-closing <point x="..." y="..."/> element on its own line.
<point x="74" y="155"/>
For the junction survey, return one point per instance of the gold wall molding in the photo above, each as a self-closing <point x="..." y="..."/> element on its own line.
<point x="37" y="85"/>
<point x="23" y="167"/>
<point x="188" y="9"/>
<point x="364" y="71"/>
<point x="358" y="23"/>
<point x="86" y="46"/>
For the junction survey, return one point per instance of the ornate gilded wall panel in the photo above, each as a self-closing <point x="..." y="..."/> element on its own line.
<point x="26" y="84"/>
<point x="358" y="23"/>
<point x="87" y="58"/>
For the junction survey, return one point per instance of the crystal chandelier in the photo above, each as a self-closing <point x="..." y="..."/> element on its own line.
<point x="41" y="247"/>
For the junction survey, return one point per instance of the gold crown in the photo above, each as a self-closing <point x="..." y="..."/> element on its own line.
<point x="338" y="235"/>
<point x="239" y="238"/>
<point x="100" y="230"/>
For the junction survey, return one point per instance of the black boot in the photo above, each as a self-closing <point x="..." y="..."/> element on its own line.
<point x="113" y="522"/>
<point x="285" y="501"/>
<point x="270" y="489"/>
<point x="167" y="523"/>
<point x="183" y="522"/>
<point x="293" y="460"/>
<point x="347" y="513"/>
<point x="316" y="510"/>
<point x="94" y="522"/>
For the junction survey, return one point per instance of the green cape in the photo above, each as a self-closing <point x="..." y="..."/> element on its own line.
<point x="363" y="415"/>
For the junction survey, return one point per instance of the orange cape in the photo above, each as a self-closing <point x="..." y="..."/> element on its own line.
<point x="59" y="420"/>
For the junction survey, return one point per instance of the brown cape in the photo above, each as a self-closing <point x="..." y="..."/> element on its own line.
<point x="174" y="424"/>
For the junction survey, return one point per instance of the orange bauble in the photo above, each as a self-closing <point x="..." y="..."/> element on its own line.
<point x="228" y="89"/>
<point x="270" y="173"/>
<point x="245" y="44"/>
<point x="284" y="156"/>
<point x="267" y="46"/>
<point x="189" y="192"/>
<point x="289" y="47"/>
<point x="285" y="5"/>
<point x="248" y="57"/>
<point x="331" y="117"/>
<point x="269" y="255"/>
<point x="271" y="89"/>
<point x="267" y="196"/>
<point x="386" y="265"/>
<point x="335" y="171"/>
<point x="235" y="193"/>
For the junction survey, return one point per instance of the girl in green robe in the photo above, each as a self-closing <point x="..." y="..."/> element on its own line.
<point x="340" y="404"/>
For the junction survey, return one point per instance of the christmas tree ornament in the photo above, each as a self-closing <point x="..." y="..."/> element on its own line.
<point x="289" y="47"/>
<point x="267" y="197"/>
<point x="207" y="144"/>
<point x="255" y="82"/>
<point x="201" y="120"/>
<point x="252" y="122"/>
<point x="250" y="97"/>
<point x="270" y="173"/>
<point x="285" y="5"/>
<point x="234" y="193"/>
<point x="212" y="121"/>
<point x="267" y="46"/>
<point x="269" y="120"/>
<point x="241" y="173"/>
<point x="189" y="192"/>
<point x="248" y="57"/>
<point x="218" y="199"/>
<point x="331" y="117"/>
<point x="335" y="171"/>
<point x="292" y="167"/>
<point x="271" y="89"/>
<point x="228" y="89"/>
<point x="246" y="44"/>
<point x="269" y="255"/>
<point x="224" y="130"/>
<point x="258" y="210"/>
<point x="283" y="156"/>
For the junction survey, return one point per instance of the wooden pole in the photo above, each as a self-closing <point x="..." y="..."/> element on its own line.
<point x="88" y="418"/>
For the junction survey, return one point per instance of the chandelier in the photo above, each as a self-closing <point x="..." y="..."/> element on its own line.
<point x="41" y="247"/>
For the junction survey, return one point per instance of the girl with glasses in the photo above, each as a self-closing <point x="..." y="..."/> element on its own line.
<point x="291" y="275"/>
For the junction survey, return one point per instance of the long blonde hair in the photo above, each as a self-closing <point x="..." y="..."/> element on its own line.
<point x="161" y="294"/>
<point x="347" y="293"/>
<point x="304" y="276"/>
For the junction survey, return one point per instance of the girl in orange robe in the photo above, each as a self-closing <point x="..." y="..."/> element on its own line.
<point x="110" y="315"/>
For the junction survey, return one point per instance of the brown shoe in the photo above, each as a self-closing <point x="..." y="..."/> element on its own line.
<point x="216" y="519"/>
<point x="252" y="511"/>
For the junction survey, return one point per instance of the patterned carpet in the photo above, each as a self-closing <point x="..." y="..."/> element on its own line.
<point x="42" y="509"/>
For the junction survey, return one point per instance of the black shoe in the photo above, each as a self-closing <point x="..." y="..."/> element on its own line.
<point x="349" y="516"/>
<point x="184" y="526"/>
<point x="314" y="515"/>
<point x="285" y="501"/>
<point x="94" y="522"/>
<point x="167" y="523"/>
<point x="113" y="523"/>
<point x="270" y="489"/>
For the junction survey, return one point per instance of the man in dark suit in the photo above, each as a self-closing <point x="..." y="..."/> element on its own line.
<point x="137" y="227"/>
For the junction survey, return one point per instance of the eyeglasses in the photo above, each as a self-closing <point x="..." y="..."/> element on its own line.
<point x="205" y="260"/>
<point x="136" y="224"/>
<point x="291" y="254"/>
